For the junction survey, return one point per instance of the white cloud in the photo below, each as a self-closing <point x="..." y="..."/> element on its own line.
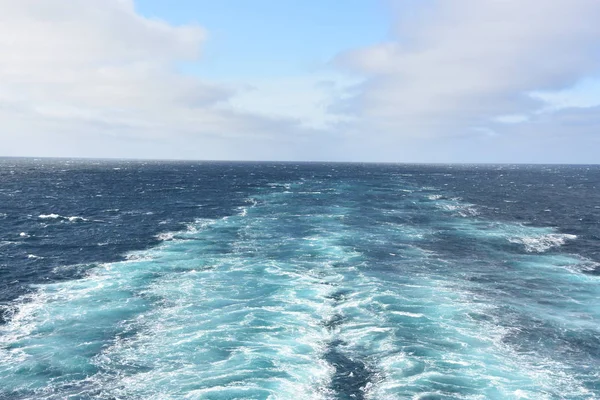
<point x="305" y="98"/>
<point x="82" y="77"/>
<point x="466" y="63"/>
<point x="95" y="78"/>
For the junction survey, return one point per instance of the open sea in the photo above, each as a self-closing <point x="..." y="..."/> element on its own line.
<point x="215" y="280"/>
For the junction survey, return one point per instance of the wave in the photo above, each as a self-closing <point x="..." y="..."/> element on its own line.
<point x="225" y="327"/>
<point x="463" y="210"/>
<point x="165" y="236"/>
<point x="542" y="243"/>
<point x="63" y="218"/>
<point x="49" y="216"/>
<point x="453" y="205"/>
<point x="309" y="302"/>
<point x="533" y="239"/>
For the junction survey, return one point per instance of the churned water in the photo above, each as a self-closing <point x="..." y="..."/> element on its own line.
<point x="154" y="280"/>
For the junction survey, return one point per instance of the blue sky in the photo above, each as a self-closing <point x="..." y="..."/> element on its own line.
<point x="266" y="38"/>
<point x="377" y="80"/>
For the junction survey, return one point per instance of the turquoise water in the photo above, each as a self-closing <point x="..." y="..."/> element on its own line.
<point x="316" y="286"/>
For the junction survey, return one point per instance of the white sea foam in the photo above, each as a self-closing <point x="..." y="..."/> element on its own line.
<point x="49" y="216"/>
<point x="139" y="256"/>
<point x="60" y="217"/>
<point x="542" y="243"/>
<point x="201" y="224"/>
<point x="76" y="219"/>
<point x="407" y="314"/>
<point x="587" y="265"/>
<point x="251" y="310"/>
<point x="459" y="209"/>
<point x="165" y="236"/>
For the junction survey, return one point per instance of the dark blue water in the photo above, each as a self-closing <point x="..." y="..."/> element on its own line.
<point x="186" y="280"/>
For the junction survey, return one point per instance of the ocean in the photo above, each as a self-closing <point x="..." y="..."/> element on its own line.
<point x="222" y="280"/>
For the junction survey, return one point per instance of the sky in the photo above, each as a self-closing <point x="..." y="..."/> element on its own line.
<point x="432" y="81"/>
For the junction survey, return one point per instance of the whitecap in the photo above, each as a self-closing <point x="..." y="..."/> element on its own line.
<point x="463" y="210"/>
<point x="76" y="219"/>
<point x="49" y="216"/>
<point x="138" y="256"/>
<point x="165" y="236"/>
<point x="73" y="218"/>
<point x="541" y="243"/>
<point x="407" y="314"/>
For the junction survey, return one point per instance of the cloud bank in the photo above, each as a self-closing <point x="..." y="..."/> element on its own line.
<point x="454" y="82"/>
<point x="94" y="78"/>
<point x="456" y="68"/>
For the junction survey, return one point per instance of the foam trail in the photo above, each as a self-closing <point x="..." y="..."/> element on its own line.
<point x="315" y="290"/>
<point x="188" y="318"/>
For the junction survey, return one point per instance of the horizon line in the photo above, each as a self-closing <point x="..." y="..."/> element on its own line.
<point x="183" y="160"/>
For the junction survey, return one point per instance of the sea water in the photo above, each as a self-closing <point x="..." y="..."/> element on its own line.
<point x="189" y="280"/>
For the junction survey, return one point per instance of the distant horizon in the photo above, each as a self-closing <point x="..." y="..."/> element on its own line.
<point x="181" y="160"/>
